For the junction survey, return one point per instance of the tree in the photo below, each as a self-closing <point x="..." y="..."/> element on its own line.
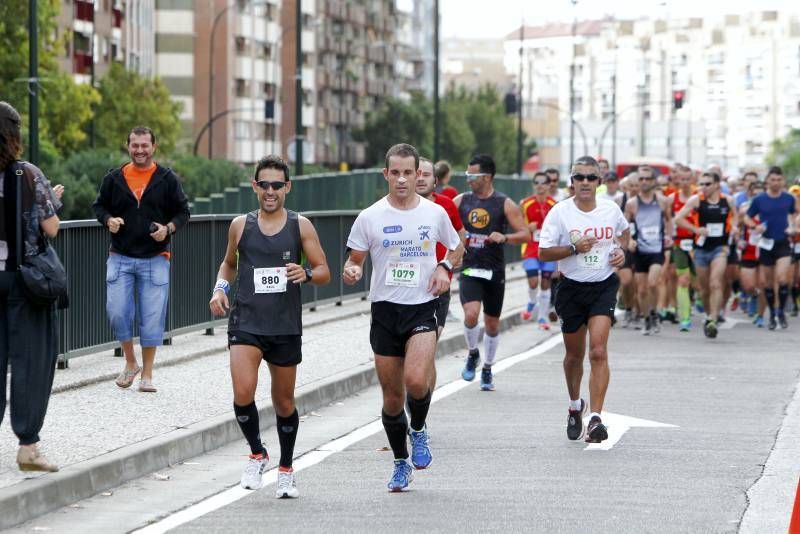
<point x="130" y="100"/>
<point x="458" y="141"/>
<point x="786" y="153"/>
<point x="65" y="107"/>
<point x="395" y="122"/>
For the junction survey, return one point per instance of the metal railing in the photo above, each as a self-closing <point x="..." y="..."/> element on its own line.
<point x="197" y="251"/>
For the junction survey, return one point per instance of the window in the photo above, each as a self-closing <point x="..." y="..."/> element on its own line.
<point x="241" y="129"/>
<point x="241" y="45"/>
<point x="241" y="87"/>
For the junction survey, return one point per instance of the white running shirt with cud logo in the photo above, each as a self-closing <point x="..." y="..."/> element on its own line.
<point x="565" y="224"/>
<point x="402" y="247"/>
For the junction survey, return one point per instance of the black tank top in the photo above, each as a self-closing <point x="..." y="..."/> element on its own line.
<point x="713" y="215"/>
<point x="267" y="313"/>
<point x="481" y="217"/>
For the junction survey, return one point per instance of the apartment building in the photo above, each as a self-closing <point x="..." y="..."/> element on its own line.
<point x="740" y="75"/>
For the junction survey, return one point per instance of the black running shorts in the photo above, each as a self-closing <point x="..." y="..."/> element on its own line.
<point x="781" y="249"/>
<point x="642" y="261"/>
<point x="488" y="292"/>
<point x="393" y="324"/>
<point x="283" y="351"/>
<point x="576" y="301"/>
<point x="442" y="307"/>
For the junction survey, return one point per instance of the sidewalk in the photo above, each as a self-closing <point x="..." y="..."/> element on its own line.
<point x="102" y="436"/>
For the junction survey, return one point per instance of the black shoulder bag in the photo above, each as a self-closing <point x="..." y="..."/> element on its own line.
<point x="43" y="274"/>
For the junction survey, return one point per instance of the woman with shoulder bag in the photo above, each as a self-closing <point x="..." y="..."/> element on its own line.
<point x="28" y="335"/>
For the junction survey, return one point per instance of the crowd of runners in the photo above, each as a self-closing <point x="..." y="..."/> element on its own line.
<point x="685" y="248"/>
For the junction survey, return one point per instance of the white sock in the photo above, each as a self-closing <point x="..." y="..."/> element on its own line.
<point x="490" y="344"/>
<point x="593" y="414"/>
<point x="544" y="303"/>
<point x="532" y="296"/>
<point x="575" y="404"/>
<point x="472" y="335"/>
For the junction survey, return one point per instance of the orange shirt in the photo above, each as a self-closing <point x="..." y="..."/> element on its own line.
<point x="138" y="180"/>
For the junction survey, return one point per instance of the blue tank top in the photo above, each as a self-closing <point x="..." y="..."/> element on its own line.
<point x="649" y="227"/>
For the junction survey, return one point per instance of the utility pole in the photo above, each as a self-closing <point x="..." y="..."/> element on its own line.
<point x="437" y="123"/>
<point x="519" y="97"/>
<point x="33" y="83"/>
<point x="91" y="78"/>
<point x="572" y="88"/>
<point x="298" y="92"/>
<point x="614" y="118"/>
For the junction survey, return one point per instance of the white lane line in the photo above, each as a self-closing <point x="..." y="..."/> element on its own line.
<point x="315" y="456"/>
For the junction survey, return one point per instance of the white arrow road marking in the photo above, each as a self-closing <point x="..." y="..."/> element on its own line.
<point x="617" y="425"/>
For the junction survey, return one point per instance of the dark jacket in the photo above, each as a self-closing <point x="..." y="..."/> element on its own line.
<point x="163" y="201"/>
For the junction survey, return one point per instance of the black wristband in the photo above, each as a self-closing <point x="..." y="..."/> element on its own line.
<point x="309" y="274"/>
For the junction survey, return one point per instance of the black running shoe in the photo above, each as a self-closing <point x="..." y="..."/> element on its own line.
<point x="782" y="321"/>
<point x="710" y="329"/>
<point x="648" y="325"/>
<point x="575" y="422"/>
<point x="671" y="317"/>
<point x="773" y="324"/>
<point x="596" y="431"/>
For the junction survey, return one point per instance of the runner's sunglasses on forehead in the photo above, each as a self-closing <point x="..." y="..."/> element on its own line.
<point x="276" y="185"/>
<point x="584" y="177"/>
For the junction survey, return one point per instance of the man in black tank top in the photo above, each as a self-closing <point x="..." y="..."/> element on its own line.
<point x="716" y="221"/>
<point x="266" y="247"/>
<point x="485" y="213"/>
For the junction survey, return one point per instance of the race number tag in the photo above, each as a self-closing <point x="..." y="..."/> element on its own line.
<point x="650" y="233"/>
<point x="766" y="243"/>
<point x="269" y="280"/>
<point x="632" y="227"/>
<point x="753" y="239"/>
<point x="797" y="248"/>
<point x="486" y="274"/>
<point x="686" y="245"/>
<point x="476" y="240"/>
<point x="594" y="259"/>
<point x="404" y="274"/>
<point x="715" y="229"/>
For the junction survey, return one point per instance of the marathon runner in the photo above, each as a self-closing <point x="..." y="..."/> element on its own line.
<point x="584" y="235"/>
<point x="485" y="214"/>
<point x="716" y="220"/>
<point x="264" y="256"/>
<point x="534" y="211"/>
<point x="776" y="210"/>
<point x="399" y="233"/>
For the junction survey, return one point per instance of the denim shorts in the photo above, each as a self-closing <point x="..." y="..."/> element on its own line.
<point x="703" y="257"/>
<point x="137" y="289"/>
<point x="532" y="266"/>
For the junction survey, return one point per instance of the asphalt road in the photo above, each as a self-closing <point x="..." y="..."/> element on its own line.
<point x="501" y="459"/>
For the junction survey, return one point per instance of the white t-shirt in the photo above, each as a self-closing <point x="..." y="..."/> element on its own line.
<point x="402" y="246"/>
<point x="565" y="224"/>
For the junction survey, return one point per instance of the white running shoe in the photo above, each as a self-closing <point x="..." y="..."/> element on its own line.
<point x="287" y="486"/>
<point x="256" y="465"/>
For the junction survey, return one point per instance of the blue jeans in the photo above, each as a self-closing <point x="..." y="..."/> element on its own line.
<point x="149" y="278"/>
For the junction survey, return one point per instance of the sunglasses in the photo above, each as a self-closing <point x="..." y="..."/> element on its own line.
<point x="585" y="177"/>
<point x="542" y="183"/>
<point x="266" y="184"/>
<point x="475" y="176"/>
<point x="642" y="178"/>
<point x="705" y="184"/>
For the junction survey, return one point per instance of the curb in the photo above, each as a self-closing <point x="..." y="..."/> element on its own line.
<point x="31" y="498"/>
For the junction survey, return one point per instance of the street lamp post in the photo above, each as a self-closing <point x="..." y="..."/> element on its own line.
<point x="519" y="98"/>
<point x="298" y="92"/>
<point x="436" y="114"/>
<point x="572" y="89"/>
<point x="211" y="49"/>
<point x="33" y="83"/>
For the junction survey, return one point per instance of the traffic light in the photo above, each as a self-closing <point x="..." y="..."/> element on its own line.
<point x="677" y="99"/>
<point x="511" y="103"/>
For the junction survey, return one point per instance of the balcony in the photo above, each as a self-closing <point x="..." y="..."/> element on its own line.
<point x="81" y="62"/>
<point x="84" y="10"/>
<point x="116" y="18"/>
